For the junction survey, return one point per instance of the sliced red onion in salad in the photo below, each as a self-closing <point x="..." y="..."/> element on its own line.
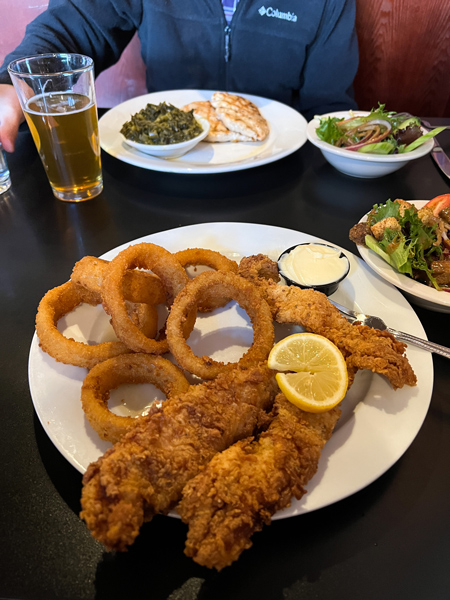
<point x="371" y="132"/>
<point x="379" y="132"/>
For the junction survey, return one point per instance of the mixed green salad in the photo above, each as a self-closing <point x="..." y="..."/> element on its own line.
<point x="413" y="241"/>
<point x="379" y="132"/>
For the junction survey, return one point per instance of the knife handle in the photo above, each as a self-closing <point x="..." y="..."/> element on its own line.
<point x="441" y="159"/>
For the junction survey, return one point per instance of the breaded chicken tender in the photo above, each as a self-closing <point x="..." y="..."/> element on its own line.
<point x="241" y="488"/>
<point x="145" y="472"/>
<point x="362" y="346"/>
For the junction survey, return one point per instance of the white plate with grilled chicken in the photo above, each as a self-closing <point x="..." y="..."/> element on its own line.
<point x="287" y="133"/>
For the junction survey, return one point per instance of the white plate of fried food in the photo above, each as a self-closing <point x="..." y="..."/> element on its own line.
<point x="377" y="424"/>
<point x="246" y="131"/>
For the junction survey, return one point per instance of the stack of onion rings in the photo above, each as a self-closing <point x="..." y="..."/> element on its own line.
<point x="130" y="296"/>
<point x="144" y="256"/>
<point x="128" y="368"/>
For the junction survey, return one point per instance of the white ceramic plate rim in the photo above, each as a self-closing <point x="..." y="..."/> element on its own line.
<point x="287" y="134"/>
<point x="379" y="158"/>
<point x="373" y="433"/>
<point x="400" y="280"/>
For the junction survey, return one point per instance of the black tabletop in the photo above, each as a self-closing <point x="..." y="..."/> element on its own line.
<point x="390" y="540"/>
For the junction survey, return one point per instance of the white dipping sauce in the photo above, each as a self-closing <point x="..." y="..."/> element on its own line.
<point x="313" y="264"/>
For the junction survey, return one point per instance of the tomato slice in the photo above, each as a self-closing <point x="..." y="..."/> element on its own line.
<point x="438" y="203"/>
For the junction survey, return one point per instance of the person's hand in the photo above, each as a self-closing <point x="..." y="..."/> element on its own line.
<point x="11" y="116"/>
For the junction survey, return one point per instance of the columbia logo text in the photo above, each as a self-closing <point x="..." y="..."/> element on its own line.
<point x="275" y="13"/>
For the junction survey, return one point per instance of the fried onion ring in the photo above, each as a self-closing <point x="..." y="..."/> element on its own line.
<point x="224" y="285"/>
<point x="144" y="256"/>
<point x="213" y="260"/>
<point x="56" y="303"/>
<point x="138" y="286"/>
<point x="145" y="317"/>
<point x="127" y="368"/>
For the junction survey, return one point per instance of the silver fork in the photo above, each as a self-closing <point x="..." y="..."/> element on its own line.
<point x="378" y="323"/>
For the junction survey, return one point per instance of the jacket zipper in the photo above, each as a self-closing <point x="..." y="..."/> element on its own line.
<point x="227" y="43"/>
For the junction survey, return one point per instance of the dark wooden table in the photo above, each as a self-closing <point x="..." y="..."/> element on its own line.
<point x="390" y="541"/>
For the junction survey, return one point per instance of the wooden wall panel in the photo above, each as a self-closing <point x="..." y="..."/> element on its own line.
<point x="404" y="55"/>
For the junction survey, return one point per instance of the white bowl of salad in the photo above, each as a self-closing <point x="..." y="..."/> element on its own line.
<point x="370" y="144"/>
<point x="408" y="245"/>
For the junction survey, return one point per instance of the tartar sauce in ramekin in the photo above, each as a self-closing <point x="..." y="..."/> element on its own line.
<point x="314" y="264"/>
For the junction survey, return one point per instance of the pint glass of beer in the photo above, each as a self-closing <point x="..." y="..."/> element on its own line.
<point x="57" y="95"/>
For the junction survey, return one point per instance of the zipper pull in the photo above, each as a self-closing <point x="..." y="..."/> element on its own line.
<point x="227" y="43"/>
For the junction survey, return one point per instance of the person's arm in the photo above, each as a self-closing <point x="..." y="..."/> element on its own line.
<point x="331" y="63"/>
<point x="100" y="29"/>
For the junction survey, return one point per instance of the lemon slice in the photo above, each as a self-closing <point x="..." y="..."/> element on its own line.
<point x="314" y="374"/>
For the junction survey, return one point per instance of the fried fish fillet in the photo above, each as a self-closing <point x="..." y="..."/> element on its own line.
<point x="241" y="488"/>
<point x="362" y="346"/>
<point x="217" y="132"/>
<point x="240" y="115"/>
<point x="145" y="472"/>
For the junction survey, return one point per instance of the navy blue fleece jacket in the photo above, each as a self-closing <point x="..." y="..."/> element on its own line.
<point x="301" y="52"/>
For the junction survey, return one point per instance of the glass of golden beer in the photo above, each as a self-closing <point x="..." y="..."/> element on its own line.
<point x="57" y="95"/>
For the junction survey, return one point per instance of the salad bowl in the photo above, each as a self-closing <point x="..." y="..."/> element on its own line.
<point x="416" y="292"/>
<point x="358" y="164"/>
